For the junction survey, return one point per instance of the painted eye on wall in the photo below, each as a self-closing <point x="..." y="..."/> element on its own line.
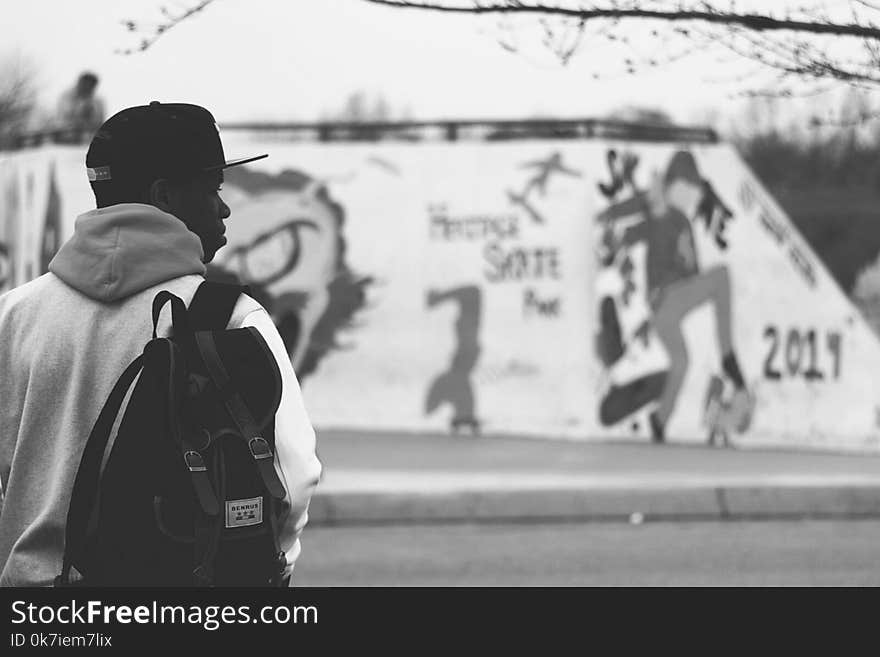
<point x="266" y="257"/>
<point x="272" y="255"/>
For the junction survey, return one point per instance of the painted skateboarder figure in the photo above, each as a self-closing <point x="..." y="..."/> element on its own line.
<point x="677" y="286"/>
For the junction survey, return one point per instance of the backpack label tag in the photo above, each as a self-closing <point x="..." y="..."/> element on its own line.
<point x="243" y="513"/>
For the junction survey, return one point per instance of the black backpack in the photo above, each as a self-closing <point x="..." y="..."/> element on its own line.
<point x="189" y="495"/>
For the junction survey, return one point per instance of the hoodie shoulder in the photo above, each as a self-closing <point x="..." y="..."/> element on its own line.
<point x="244" y="307"/>
<point x="21" y="295"/>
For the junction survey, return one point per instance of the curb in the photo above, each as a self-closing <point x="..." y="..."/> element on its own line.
<point x="710" y="503"/>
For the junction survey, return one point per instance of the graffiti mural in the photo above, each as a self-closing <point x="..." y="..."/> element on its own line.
<point x="292" y="254"/>
<point x="52" y="233"/>
<point x="512" y="244"/>
<point x="455" y="385"/>
<point x="544" y="170"/>
<point x="675" y="285"/>
<point x="9" y="229"/>
<point x="586" y="289"/>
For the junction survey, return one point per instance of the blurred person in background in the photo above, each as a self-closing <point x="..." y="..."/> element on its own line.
<point x="80" y="109"/>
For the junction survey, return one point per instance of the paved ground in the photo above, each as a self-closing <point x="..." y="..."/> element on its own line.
<point x="406" y="478"/>
<point x="343" y="450"/>
<point x="791" y="553"/>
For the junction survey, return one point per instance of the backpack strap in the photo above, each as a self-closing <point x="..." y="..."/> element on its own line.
<point x="280" y="557"/>
<point x="207" y="532"/>
<point x="85" y="486"/>
<point x="212" y="305"/>
<point x="192" y="458"/>
<point x="211" y="308"/>
<point x="258" y="446"/>
<point x="179" y="318"/>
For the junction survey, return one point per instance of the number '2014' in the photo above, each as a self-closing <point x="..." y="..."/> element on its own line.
<point x="797" y="353"/>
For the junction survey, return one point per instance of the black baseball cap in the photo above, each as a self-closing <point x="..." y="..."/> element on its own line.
<point x="160" y="140"/>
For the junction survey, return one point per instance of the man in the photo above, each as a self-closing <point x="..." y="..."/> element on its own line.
<point x="79" y="108"/>
<point x="65" y="337"/>
<point x="677" y="285"/>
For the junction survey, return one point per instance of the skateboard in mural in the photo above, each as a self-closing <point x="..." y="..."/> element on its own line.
<point x="661" y="220"/>
<point x="454" y="386"/>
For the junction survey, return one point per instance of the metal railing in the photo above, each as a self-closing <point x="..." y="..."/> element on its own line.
<point x="40" y="137"/>
<point x="418" y="131"/>
<point x="479" y="130"/>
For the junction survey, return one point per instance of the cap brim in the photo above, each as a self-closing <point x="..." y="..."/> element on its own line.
<point x="235" y="163"/>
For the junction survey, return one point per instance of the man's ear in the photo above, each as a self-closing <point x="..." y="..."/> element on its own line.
<point x="160" y="195"/>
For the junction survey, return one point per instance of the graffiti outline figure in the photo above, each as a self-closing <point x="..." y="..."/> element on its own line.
<point x="454" y="385"/>
<point x="545" y="169"/>
<point x="311" y="290"/>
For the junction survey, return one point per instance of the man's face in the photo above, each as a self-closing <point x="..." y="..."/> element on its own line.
<point x="197" y="203"/>
<point x="685" y="196"/>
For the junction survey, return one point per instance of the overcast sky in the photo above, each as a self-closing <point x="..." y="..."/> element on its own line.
<point x="295" y="59"/>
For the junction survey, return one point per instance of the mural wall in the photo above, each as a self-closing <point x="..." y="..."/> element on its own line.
<point x="588" y="290"/>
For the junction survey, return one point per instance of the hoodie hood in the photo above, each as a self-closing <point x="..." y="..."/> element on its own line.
<point x="123" y="249"/>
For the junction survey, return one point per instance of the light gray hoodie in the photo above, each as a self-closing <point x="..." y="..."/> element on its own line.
<point x="65" y="338"/>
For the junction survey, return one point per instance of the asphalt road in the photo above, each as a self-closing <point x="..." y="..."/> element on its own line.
<point x="793" y="553"/>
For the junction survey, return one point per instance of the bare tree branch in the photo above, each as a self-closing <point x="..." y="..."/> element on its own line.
<point x="755" y="22"/>
<point x="869" y="5"/>
<point x="801" y="44"/>
<point x="18" y="97"/>
<point x="804" y="44"/>
<point x="157" y="30"/>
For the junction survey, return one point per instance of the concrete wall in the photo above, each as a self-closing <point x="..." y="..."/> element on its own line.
<point x="543" y="288"/>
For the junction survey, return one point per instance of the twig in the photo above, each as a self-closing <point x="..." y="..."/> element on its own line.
<point x="159" y="29"/>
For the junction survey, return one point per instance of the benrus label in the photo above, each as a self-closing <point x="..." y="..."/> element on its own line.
<point x="242" y="513"/>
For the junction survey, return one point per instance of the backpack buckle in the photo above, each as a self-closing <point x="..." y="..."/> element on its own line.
<point x="194" y="461"/>
<point x="262" y="454"/>
<point x="259" y="448"/>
